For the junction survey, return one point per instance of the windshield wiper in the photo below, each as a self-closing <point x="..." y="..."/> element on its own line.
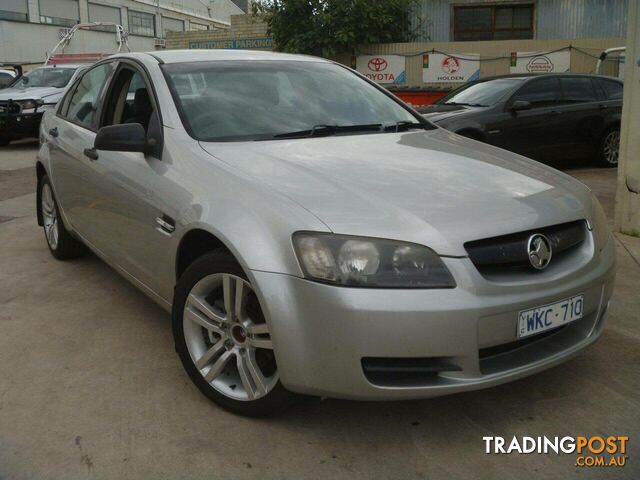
<point x="465" y="104"/>
<point x="326" y="130"/>
<point x="406" y="125"/>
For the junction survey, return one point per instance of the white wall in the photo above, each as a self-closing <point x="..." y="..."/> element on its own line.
<point x="28" y="43"/>
<point x="628" y="194"/>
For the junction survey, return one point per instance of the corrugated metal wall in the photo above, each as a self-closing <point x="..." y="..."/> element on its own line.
<point x="555" y="19"/>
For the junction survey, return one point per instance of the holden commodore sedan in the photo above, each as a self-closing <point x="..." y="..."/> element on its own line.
<point x="311" y="234"/>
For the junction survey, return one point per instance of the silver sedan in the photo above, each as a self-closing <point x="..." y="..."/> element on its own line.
<point x="311" y="234"/>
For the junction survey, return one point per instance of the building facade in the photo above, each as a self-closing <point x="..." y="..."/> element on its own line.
<point x="29" y="29"/>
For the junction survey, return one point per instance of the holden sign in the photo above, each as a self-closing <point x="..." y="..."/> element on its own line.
<point x="381" y="68"/>
<point x="442" y="68"/>
<point x="540" y="62"/>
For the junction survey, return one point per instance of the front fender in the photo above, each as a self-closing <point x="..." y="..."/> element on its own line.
<point x="252" y="220"/>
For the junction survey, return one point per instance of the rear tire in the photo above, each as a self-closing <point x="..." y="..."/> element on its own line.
<point x="609" y="148"/>
<point x="4" y="141"/>
<point x="223" y="340"/>
<point x="60" y="242"/>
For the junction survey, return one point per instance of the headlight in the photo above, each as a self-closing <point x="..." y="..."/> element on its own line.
<point x="29" y="106"/>
<point x="45" y="107"/>
<point x="600" y="222"/>
<point x="369" y="262"/>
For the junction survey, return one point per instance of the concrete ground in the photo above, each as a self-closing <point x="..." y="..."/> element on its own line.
<point x="90" y="386"/>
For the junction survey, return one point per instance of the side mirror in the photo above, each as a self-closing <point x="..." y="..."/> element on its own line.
<point x="520" y="105"/>
<point x="126" y="137"/>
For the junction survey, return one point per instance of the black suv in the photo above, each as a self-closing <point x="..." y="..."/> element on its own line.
<point x="550" y="117"/>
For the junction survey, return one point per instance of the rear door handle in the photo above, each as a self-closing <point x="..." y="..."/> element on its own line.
<point x="554" y="113"/>
<point x="91" y="153"/>
<point x="53" y="131"/>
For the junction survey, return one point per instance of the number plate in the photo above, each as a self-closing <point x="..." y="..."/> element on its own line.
<point x="547" y="317"/>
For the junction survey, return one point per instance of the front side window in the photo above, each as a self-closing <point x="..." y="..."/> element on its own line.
<point x="57" y="77"/>
<point x="222" y="101"/>
<point x="578" y="90"/>
<point x="481" y="94"/>
<point x="492" y="22"/>
<point x="543" y="92"/>
<point x="129" y="100"/>
<point x="141" y="23"/>
<point x="84" y="102"/>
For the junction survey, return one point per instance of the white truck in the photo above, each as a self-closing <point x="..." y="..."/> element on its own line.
<point x="23" y="103"/>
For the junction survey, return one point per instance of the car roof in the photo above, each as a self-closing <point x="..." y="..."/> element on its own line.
<point x="181" y="56"/>
<point x="64" y="65"/>
<point x="530" y="76"/>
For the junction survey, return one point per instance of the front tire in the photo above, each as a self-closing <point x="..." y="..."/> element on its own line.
<point x="223" y="340"/>
<point x="4" y="141"/>
<point x="60" y="242"/>
<point x="609" y="148"/>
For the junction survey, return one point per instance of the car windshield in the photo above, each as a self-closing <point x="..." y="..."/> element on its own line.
<point x="482" y="94"/>
<point x="46" y="77"/>
<point x="241" y="101"/>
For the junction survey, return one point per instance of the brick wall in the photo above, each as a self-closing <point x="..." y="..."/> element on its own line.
<point x="242" y="27"/>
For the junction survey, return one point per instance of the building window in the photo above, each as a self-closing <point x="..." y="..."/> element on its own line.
<point x="493" y="22"/>
<point x="65" y="13"/>
<point x="141" y="23"/>
<point x="171" y="25"/>
<point x="104" y="13"/>
<point x="14" y="10"/>
<point x="197" y="27"/>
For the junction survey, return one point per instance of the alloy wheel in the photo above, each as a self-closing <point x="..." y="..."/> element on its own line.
<point x="612" y="147"/>
<point x="228" y="339"/>
<point x="49" y="216"/>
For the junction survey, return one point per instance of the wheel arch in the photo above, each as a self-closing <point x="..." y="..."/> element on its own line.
<point x="195" y="243"/>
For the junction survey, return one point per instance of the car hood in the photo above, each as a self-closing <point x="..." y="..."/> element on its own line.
<point x="429" y="187"/>
<point x="439" y="112"/>
<point x="49" y="94"/>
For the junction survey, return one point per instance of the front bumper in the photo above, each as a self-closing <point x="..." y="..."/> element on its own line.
<point x="20" y="126"/>
<point x="322" y="333"/>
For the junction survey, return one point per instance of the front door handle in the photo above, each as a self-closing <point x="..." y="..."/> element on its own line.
<point x="554" y="113"/>
<point x="53" y="131"/>
<point x="91" y="153"/>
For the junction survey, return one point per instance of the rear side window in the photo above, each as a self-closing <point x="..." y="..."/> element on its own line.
<point x="541" y="92"/>
<point x="612" y="89"/>
<point x="578" y="90"/>
<point x="83" y="103"/>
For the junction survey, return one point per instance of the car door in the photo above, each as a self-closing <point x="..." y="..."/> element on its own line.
<point x="584" y="116"/>
<point x="71" y="137"/>
<point x="132" y="222"/>
<point x="534" y="132"/>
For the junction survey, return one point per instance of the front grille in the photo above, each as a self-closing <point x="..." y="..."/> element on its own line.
<point x="395" y="372"/>
<point x="9" y="108"/>
<point x="508" y="253"/>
